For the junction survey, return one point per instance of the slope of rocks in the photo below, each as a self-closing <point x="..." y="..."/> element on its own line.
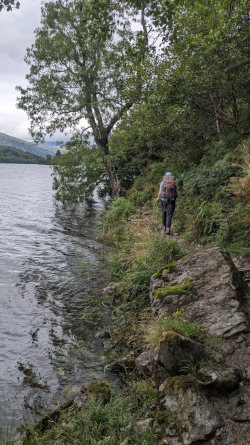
<point x="209" y="404"/>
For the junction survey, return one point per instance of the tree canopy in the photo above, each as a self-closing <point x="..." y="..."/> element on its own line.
<point x="85" y="65"/>
<point x="9" y="4"/>
<point x="154" y="80"/>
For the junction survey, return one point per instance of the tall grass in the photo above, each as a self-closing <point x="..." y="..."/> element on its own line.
<point x="155" y="331"/>
<point x="97" y="423"/>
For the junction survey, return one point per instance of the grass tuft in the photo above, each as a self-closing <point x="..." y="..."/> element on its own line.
<point x="158" y="330"/>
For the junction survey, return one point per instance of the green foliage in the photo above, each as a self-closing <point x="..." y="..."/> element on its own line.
<point x="110" y="423"/>
<point x="120" y="209"/>
<point x="9" y="4"/>
<point x="78" y="172"/>
<point x="136" y="272"/>
<point x="165" y="328"/>
<point x="214" y="196"/>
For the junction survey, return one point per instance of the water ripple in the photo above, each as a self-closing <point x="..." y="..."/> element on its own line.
<point x="44" y="292"/>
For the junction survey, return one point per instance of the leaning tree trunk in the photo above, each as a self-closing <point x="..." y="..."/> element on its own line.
<point x="110" y="170"/>
<point x="113" y="179"/>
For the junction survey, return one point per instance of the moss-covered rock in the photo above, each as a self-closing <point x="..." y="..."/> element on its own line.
<point x="52" y="417"/>
<point x="196" y="418"/>
<point x="181" y="383"/>
<point x="162" y="415"/>
<point x="171" y="337"/>
<point x="178" y="289"/>
<point x="99" y="389"/>
<point x="169" y="268"/>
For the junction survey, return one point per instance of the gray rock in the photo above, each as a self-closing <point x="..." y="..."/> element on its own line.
<point x="219" y="300"/>
<point x="176" y="351"/>
<point x="111" y="289"/>
<point x="172" y="441"/>
<point x="171" y="355"/>
<point x="143" y="425"/>
<point x="163" y="386"/>
<point x="219" y="379"/>
<point x="194" y="415"/>
<point x="248" y="374"/>
<point x="103" y="334"/>
<point x="146" y="362"/>
<point x="227" y="348"/>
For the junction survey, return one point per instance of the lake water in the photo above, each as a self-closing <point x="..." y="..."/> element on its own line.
<point x="51" y="272"/>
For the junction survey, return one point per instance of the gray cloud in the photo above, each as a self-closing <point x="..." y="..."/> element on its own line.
<point x="16" y="34"/>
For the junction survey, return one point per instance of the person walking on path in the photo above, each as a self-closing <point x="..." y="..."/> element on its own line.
<point x="168" y="194"/>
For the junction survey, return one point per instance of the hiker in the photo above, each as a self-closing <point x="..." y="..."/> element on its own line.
<point x="168" y="194"/>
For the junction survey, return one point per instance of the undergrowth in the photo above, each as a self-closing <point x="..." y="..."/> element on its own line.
<point x="213" y="203"/>
<point x="139" y="248"/>
<point x="157" y="329"/>
<point x="98" y="423"/>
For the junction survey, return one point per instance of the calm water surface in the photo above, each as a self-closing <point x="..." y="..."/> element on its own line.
<point x="51" y="270"/>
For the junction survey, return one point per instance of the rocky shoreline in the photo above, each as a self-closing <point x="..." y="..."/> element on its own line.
<point x="198" y="362"/>
<point x="209" y="402"/>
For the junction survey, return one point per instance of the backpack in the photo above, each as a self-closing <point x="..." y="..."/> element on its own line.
<point x="169" y="192"/>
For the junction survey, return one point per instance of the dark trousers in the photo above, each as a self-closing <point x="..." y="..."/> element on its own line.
<point x="167" y="212"/>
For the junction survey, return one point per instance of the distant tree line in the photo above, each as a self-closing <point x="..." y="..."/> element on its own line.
<point x="15" y="156"/>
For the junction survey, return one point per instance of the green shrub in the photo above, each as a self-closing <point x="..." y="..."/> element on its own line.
<point x="119" y="209"/>
<point x="213" y="203"/>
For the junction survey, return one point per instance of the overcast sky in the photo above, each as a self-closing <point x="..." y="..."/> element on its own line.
<point x="16" y="34"/>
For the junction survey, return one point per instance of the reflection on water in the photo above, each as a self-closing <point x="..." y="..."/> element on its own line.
<point x="51" y="270"/>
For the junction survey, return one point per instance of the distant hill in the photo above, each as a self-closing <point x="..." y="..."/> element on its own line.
<point x="12" y="155"/>
<point x="31" y="147"/>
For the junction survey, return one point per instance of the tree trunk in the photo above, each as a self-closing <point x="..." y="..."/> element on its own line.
<point x="113" y="179"/>
<point x="111" y="172"/>
<point x="216" y="108"/>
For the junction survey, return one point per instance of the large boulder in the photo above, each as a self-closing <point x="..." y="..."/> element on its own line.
<point x="173" y="352"/>
<point x="209" y="290"/>
<point x="196" y="418"/>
